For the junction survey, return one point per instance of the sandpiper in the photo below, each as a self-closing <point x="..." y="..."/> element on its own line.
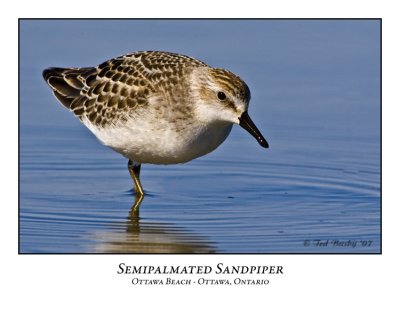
<point x="155" y="107"/>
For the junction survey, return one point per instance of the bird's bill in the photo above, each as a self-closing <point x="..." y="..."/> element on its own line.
<point x="246" y="123"/>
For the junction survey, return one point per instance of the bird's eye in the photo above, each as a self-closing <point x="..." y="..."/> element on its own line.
<point x="221" y="95"/>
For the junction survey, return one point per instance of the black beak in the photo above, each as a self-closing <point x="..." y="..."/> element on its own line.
<point x="246" y="123"/>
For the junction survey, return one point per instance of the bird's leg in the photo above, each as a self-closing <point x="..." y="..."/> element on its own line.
<point x="134" y="171"/>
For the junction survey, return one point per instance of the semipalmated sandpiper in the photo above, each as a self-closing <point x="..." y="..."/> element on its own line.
<point x="155" y="107"/>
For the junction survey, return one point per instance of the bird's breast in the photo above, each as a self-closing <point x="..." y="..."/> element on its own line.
<point x="161" y="142"/>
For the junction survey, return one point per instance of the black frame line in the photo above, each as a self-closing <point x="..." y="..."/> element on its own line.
<point x="219" y="253"/>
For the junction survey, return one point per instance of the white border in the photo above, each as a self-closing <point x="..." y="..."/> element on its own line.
<point x="312" y="281"/>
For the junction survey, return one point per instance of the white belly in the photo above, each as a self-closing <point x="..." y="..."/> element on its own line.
<point x="161" y="143"/>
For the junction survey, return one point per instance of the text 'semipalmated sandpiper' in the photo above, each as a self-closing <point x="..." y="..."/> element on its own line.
<point x="155" y="107"/>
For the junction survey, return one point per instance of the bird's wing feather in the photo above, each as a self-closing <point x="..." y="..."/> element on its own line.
<point x="116" y="88"/>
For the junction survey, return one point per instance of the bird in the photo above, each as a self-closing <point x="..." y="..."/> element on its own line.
<point x="155" y="107"/>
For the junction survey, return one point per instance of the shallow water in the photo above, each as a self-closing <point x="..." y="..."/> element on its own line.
<point x="315" y="190"/>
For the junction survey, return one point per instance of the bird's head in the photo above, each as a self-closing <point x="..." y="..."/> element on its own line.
<point x="220" y="95"/>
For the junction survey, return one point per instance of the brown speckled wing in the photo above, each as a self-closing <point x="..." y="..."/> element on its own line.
<point x="117" y="88"/>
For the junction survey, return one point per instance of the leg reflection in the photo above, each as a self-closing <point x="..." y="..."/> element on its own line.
<point x="134" y="212"/>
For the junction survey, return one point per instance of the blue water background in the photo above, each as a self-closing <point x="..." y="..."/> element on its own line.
<point x="315" y="88"/>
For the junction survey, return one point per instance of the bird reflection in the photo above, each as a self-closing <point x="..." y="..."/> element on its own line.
<point x="135" y="207"/>
<point x="138" y="235"/>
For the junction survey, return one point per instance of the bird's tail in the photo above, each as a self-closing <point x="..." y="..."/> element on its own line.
<point x="67" y="83"/>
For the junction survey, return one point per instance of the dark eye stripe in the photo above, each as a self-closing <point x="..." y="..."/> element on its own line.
<point x="231" y="105"/>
